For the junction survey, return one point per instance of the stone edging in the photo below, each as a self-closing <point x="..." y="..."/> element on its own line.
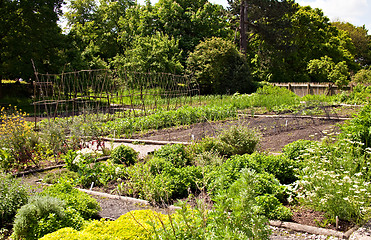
<point x="122" y="198"/>
<point x="151" y="142"/>
<point x="313" y="230"/>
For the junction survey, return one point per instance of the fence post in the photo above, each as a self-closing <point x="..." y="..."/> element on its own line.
<point x="308" y="88"/>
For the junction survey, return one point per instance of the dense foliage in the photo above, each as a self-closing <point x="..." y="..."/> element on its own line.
<point x="219" y="67"/>
<point x="281" y="39"/>
<point x="13" y="195"/>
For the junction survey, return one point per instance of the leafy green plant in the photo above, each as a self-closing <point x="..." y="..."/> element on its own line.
<point x="295" y="150"/>
<point x="13" y="195"/>
<point x="87" y="206"/>
<point x="124" y="155"/>
<point x="63" y="175"/>
<point x="262" y="190"/>
<point x="232" y="141"/>
<point x="241" y="139"/>
<point x="175" y="153"/>
<point x="43" y="215"/>
<point x="358" y="129"/>
<point x="280" y="166"/>
<point x="270" y="206"/>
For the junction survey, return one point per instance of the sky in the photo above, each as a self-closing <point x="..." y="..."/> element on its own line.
<point x="357" y="12"/>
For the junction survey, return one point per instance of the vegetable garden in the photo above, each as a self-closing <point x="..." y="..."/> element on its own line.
<point x="234" y="185"/>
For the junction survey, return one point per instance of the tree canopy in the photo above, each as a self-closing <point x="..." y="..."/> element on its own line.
<point x="281" y="41"/>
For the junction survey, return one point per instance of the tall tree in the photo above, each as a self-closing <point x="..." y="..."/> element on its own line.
<point x="97" y="29"/>
<point x="29" y="31"/>
<point x="190" y="22"/>
<point x="361" y="41"/>
<point x="282" y="37"/>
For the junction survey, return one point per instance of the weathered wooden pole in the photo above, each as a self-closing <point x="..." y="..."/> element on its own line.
<point x="243" y="27"/>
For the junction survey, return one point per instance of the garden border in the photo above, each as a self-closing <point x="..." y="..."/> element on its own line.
<point x="313" y="230"/>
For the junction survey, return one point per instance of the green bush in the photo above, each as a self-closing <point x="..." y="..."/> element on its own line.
<point x="295" y="150"/>
<point x="13" y="195"/>
<point x="241" y="139"/>
<point x="232" y="141"/>
<point x="363" y="76"/>
<point x="124" y="155"/>
<point x="280" y="166"/>
<point x="262" y="190"/>
<point x="136" y="225"/>
<point x="87" y="206"/>
<point x="175" y="153"/>
<point x="158" y="165"/>
<point x="358" y="129"/>
<point x="270" y="206"/>
<point x="43" y="215"/>
<point x="56" y="176"/>
<point x="219" y="67"/>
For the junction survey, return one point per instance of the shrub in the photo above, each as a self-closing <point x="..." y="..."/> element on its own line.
<point x="158" y="165"/>
<point x="358" y="128"/>
<point x="13" y="195"/>
<point x="262" y="190"/>
<point x="43" y="215"/>
<point x="219" y="67"/>
<point x="241" y="139"/>
<point x="280" y="166"/>
<point x="87" y="206"/>
<point x="56" y="176"/>
<point x="124" y="155"/>
<point x="134" y="225"/>
<point x="363" y="76"/>
<point x="175" y="153"/>
<point x="295" y="150"/>
<point x="270" y="206"/>
<point x="234" y="140"/>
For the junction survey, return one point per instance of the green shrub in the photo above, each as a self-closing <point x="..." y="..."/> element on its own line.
<point x="157" y="165"/>
<point x="234" y="140"/>
<point x="87" y="206"/>
<point x="295" y="150"/>
<point x="13" y="195"/>
<point x="270" y="206"/>
<point x="363" y="76"/>
<point x="124" y="155"/>
<point x="280" y="166"/>
<point x="219" y="67"/>
<point x="56" y="176"/>
<point x="175" y="153"/>
<point x="43" y="215"/>
<point x="136" y="225"/>
<point x="241" y="139"/>
<point x="358" y="129"/>
<point x="262" y="190"/>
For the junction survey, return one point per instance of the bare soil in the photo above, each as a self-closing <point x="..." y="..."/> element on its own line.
<point x="276" y="131"/>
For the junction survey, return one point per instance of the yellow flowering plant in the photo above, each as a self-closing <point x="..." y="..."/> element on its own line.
<point x="17" y="139"/>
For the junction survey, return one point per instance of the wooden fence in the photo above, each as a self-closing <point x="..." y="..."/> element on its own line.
<point x="302" y="89"/>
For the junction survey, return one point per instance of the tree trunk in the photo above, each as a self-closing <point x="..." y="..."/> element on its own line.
<point x="243" y="27"/>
